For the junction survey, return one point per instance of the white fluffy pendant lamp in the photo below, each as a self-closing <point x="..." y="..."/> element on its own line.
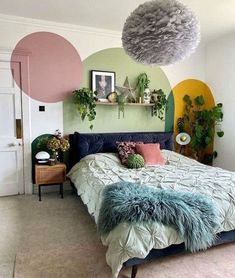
<point x="161" y="32"/>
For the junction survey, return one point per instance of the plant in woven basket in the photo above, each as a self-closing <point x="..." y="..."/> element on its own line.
<point x="85" y="100"/>
<point x="135" y="161"/>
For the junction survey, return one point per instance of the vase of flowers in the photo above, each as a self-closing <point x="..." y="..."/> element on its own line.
<point x="57" y="145"/>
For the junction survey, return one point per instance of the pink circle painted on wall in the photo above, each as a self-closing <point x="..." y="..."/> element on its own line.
<point x="55" y="67"/>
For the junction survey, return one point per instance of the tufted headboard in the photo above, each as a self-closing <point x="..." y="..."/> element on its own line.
<point x="84" y="144"/>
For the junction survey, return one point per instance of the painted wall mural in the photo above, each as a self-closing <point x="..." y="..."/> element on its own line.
<point x="193" y="88"/>
<point x="54" y="64"/>
<point x="136" y="118"/>
<point x="56" y="70"/>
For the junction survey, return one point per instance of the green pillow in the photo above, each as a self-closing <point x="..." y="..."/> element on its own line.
<point x="135" y="161"/>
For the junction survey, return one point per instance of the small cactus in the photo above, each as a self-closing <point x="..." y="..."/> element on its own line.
<point x="135" y="161"/>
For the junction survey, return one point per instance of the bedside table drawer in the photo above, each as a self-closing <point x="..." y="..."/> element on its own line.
<point x="50" y="174"/>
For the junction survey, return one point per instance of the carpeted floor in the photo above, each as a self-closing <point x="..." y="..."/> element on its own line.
<point x="57" y="238"/>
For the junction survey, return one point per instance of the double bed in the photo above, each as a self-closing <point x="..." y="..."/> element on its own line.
<point x="95" y="165"/>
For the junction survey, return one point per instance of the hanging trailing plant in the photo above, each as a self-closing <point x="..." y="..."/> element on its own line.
<point x="203" y="124"/>
<point x="142" y="84"/>
<point x="85" y="100"/>
<point x="121" y="100"/>
<point x="160" y="103"/>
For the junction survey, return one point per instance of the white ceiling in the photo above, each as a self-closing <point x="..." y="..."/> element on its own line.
<point x="217" y="17"/>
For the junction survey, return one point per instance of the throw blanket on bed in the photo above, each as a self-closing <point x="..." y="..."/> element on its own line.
<point x="193" y="215"/>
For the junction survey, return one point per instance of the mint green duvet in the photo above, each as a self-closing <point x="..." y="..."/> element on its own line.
<point x="127" y="240"/>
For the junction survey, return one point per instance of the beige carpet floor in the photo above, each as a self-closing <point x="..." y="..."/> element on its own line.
<point x="57" y="239"/>
<point x="87" y="261"/>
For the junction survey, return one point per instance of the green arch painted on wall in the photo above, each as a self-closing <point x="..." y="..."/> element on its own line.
<point x="169" y="123"/>
<point x="136" y="118"/>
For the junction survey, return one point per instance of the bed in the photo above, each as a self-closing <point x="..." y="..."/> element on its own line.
<point x="95" y="164"/>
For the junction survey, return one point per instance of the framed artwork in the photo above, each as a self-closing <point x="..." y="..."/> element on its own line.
<point x="103" y="82"/>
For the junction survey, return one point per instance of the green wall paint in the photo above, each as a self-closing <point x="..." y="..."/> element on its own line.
<point x="169" y="123"/>
<point x="136" y="118"/>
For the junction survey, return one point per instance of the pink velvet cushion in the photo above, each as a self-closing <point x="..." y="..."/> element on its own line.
<point x="151" y="153"/>
<point x="125" y="149"/>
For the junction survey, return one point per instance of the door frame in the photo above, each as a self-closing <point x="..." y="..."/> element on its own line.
<point x="22" y="57"/>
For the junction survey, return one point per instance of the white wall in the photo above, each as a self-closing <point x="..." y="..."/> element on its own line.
<point x="191" y="68"/>
<point x="220" y="76"/>
<point x="86" y="41"/>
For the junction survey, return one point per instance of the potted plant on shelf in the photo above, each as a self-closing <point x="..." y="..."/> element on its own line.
<point x="121" y="100"/>
<point x="160" y="103"/>
<point x="85" y="100"/>
<point x="202" y="125"/>
<point x="142" y="87"/>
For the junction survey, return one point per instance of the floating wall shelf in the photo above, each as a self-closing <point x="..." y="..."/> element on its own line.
<point x="129" y="104"/>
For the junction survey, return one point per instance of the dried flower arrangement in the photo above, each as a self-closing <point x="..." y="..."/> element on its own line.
<point x="56" y="144"/>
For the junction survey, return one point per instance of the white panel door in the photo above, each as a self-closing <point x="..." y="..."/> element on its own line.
<point x="11" y="149"/>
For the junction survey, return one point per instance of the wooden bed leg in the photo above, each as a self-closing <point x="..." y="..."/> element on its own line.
<point x="134" y="271"/>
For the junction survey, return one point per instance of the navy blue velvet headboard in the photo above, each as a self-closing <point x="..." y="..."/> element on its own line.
<point x="91" y="143"/>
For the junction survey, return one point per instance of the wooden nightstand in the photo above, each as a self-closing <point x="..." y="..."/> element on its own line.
<point x="50" y="175"/>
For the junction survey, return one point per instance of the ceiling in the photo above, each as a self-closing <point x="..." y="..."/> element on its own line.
<point x="217" y="17"/>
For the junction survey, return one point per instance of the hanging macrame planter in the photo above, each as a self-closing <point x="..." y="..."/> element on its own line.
<point x="161" y="32"/>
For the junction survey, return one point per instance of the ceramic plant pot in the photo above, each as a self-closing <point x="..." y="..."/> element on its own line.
<point x="147" y="95"/>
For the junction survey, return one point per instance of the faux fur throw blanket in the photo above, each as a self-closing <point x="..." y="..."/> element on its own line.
<point x="193" y="215"/>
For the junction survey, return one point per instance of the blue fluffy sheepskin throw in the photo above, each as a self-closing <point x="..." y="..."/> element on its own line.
<point x="194" y="216"/>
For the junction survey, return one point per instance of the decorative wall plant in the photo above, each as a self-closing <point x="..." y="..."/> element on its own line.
<point x="85" y="100"/>
<point x="121" y="100"/>
<point x="160" y="103"/>
<point x="202" y="124"/>
<point x="142" y="84"/>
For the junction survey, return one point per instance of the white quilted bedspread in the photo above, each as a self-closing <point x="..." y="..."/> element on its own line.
<point x="127" y="240"/>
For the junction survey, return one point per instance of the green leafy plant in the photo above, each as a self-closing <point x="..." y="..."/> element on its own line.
<point x="85" y="100"/>
<point x="121" y="100"/>
<point x="142" y="84"/>
<point x="180" y="125"/>
<point x="160" y="103"/>
<point x="135" y="161"/>
<point x="202" y="124"/>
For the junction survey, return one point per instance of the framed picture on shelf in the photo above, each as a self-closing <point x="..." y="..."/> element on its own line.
<point x="103" y="82"/>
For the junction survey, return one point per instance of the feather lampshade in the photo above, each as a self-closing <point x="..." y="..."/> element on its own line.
<point x="161" y="32"/>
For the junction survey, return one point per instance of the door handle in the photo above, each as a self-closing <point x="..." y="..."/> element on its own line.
<point x="13" y="145"/>
<point x="18" y="144"/>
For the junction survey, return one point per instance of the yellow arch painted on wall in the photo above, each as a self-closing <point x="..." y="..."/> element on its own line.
<point x="193" y="88"/>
